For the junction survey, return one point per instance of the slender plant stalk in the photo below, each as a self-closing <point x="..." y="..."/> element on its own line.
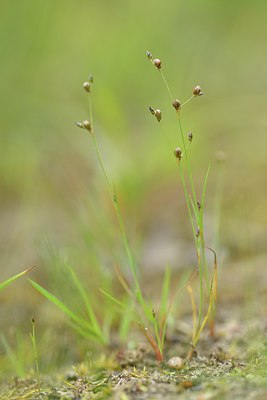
<point x="195" y="210"/>
<point x="156" y="330"/>
<point x="218" y="199"/>
<point x="152" y="343"/>
<point x="33" y="340"/>
<point x="194" y="311"/>
<point x="199" y="241"/>
<point x="187" y="198"/>
<point x="214" y="294"/>
<point x="113" y="196"/>
<point x="189" y="169"/>
<point x="199" y="244"/>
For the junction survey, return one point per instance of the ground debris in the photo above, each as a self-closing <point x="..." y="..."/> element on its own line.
<point x="221" y="369"/>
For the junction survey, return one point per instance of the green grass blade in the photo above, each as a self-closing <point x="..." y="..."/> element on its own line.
<point x="164" y="304"/>
<point x="79" y="321"/>
<point x="204" y="190"/>
<point x="86" y="300"/>
<point x="113" y="299"/>
<point x="203" y="256"/>
<point x="14" y="358"/>
<point x="82" y="332"/>
<point x="202" y="326"/>
<point x="194" y="208"/>
<point x="165" y="292"/>
<point x="13" y="278"/>
<point x="126" y="321"/>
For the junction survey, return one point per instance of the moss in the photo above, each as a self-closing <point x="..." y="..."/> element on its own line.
<point x="232" y="366"/>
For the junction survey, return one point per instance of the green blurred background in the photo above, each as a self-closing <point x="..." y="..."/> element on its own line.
<point x="52" y="192"/>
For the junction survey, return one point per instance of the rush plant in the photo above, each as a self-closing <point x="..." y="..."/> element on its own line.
<point x="135" y="306"/>
<point x="204" y="309"/>
<point x="149" y="319"/>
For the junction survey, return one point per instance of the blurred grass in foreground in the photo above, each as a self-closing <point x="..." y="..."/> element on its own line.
<point x="50" y="184"/>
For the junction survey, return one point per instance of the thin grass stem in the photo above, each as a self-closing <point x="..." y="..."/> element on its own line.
<point x="167" y="85"/>
<point x="194" y="311"/>
<point x="189" y="169"/>
<point x="187" y="101"/>
<point x="115" y="202"/>
<point x="33" y="340"/>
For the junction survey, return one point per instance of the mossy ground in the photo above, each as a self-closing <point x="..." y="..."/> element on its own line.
<point x="231" y="366"/>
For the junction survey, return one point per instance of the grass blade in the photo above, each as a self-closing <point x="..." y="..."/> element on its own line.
<point x="86" y="301"/>
<point x="74" y="317"/>
<point x="110" y="297"/>
<point x="13" y="278"/>
<point x="165" y="292"/>
<point x="204" y="190"/>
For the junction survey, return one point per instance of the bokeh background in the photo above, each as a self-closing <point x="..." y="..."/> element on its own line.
<point x="54" y="203"/>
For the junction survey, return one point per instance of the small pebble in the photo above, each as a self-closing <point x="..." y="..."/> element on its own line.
<point x="175" y="362"/>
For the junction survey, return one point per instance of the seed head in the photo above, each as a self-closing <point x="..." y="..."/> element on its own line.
<point x="87" y="86"/>
<point x="91" y="78"/>
<point x="197" y="91"/>
<point x="157" y="63"/>
<point x="176" y="104"/>
<point x="158" y="115"/>
<point x="197" y="232"/>
<point x="190" y="136"/>
<point x="198" y="205"/>
<point x="178" y="153"/>
<point x="149" y="55"/>
<point x="151" y="109"/>
<point x="86" y="125"/>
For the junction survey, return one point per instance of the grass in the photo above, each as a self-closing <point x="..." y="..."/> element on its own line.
<point x="237" y="373"/>
<point x="195" y="207"/>
<point x="152" y="322"/>
<point x="119" y="312"/>
<point x="13" y="278"/>
<point x="14" y="355"/>
<point x="34" y="347"/>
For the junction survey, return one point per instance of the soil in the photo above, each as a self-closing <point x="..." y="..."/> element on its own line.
<point x="233" y="365"/>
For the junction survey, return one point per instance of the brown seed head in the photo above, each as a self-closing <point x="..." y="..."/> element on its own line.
<point x="197" y="91"/>
<point x="190" y="136"/>
<point x="79" y="124"/>
<point x="158" y="115"/>
<point x="157" y="63"/>
<point x="87" y="126"/>
<point x="176" y="104"/>
<point x="197" y="232"/>
<point x="198" y="205"/>
<point x="178" y="153"/>
<point x="33" y="320"/>
<point x="151" y="109"/>
<point x="149" y="55"/>
<point x="87" y="86"/>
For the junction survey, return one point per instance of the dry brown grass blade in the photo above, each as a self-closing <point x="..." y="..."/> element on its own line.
<point x="152" y="343"/>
